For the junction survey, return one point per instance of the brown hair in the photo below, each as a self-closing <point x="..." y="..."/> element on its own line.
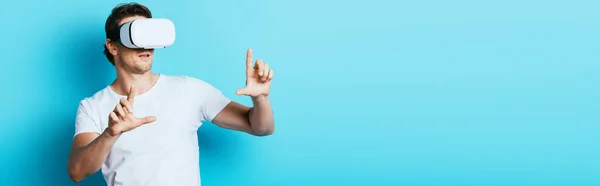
<point x="119" y="13"/>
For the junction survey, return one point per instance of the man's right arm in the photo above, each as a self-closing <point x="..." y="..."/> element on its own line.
<point x="88" y="152"/>
<point x="90" y="149"/>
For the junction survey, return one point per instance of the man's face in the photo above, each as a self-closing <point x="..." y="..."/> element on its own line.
<point x="136" y="61"/>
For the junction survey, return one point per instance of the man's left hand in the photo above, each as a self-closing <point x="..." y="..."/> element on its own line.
<point x="258" y="78"/>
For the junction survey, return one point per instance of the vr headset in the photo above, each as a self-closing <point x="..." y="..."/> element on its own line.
<point x="147" y="33"/>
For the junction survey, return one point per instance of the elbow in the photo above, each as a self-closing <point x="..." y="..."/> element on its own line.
<point x="74" y="176"/>
<point x="264" y="132"/>
<point x="75" y="179"/>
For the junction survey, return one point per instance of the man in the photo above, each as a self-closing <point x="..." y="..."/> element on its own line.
<point x="141" y="129"/>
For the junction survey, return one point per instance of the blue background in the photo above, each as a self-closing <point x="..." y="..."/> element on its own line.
<point x="375" y="92"/>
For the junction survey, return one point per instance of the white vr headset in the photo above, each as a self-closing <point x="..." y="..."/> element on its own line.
<point x="147" y="33"/>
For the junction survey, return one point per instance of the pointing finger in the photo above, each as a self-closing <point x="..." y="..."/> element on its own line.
<point x="126" y="104"/>
<point x="131" y="94"/>
<point x="249" y="61"/>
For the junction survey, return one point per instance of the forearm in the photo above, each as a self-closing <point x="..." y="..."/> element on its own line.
<point x="261" y="116"/>
<point x="88" y="159"/>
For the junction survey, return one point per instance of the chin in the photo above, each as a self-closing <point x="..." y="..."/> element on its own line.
<point x="142" y="68"/>
<point x="145" y="68"/>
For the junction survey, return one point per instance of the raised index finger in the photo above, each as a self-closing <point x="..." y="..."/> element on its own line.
<point x="249" y="61"/>
<point x="131" y="94"/>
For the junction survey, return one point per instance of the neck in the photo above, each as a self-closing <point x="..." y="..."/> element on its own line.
<point x="141" y="82"/>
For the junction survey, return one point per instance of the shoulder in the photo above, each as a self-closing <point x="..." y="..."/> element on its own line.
<point x="91" y="103"/>
<point x="189" y="82"/>
<point x="192" y="85"/>
<point x="182" y="80"/>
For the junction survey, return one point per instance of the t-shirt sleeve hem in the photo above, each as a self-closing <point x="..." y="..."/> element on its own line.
<point x="216" y="109"/>
<point x="86" y="131"/>
<point x="84" y="122"/>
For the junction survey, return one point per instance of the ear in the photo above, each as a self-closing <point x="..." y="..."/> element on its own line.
<point x="112" y="48"/>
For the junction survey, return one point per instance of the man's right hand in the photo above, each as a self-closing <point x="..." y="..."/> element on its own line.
<point x="89" y="150"/>
<point x="121" y="119"/>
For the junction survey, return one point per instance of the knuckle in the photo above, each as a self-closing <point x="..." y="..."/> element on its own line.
<point x="127" y="119"/>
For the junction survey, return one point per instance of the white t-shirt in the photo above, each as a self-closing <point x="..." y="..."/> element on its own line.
<point x="166" y="151"/>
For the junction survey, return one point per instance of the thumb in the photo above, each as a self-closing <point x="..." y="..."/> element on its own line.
<point x="148" y="119"/>
<point x="242" y="91"/>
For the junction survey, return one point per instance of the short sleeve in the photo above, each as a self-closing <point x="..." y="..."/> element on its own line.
<point x="212" y="101"/>
<point x="83" y="120"/>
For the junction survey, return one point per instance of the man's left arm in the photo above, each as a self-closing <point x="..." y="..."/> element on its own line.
<point x="257" y="120"/>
